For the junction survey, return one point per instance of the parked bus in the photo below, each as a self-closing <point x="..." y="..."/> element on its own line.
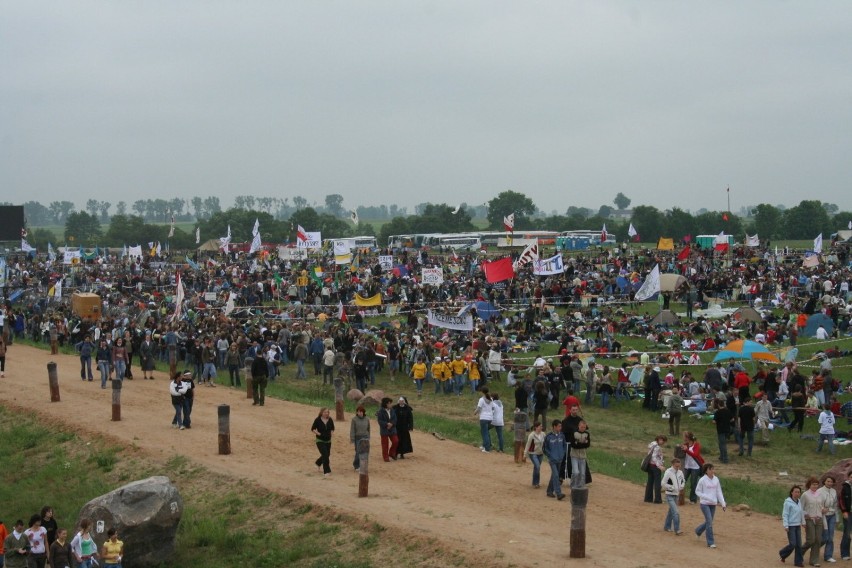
<point x="457" y="241"/>
<point x="354" y="243"/>
<point x="579" y="240"/>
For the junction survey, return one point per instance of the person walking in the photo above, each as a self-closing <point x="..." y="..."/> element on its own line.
<point x="533" y="450"/>
<point x="259" y="379"/>
<point x="826" y="429"/>
<point x="404" y="426"/>
<point x="812" y="507"/>
<point x="692" y="463"/>
<point x="579" y="440"/>
<point x="829" y="517"/>
<point x="359" y="429"/>
<point x="710" y="496"/>
<point x="485" y="410"/>
<point x="656" y="467"/>
<point x="188" y="399"/>
<point x="386" y="418"/>
<point x="844" y="502"/>
<point x="793" y="519"/>
<point x="177" y="390"/>
<point x="323" y="428"/>
<point x="554" y="450"/>
<point x="673" y="484"/>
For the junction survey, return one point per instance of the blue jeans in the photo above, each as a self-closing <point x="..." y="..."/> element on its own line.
<point x="553" y="488"/>
<point x="178" y="412"/>
<point x="499" y="430"/>
<point x="208" y="372"/>
<point x="846" y="538"/>
<point x="103" y="367"/>
<point x="187" y="411"/>
<point x="536" y="461"/>
<point x="794" y="546"/>
<point x="578" y="472"/>
<point x="120" y="368"/>
<point x="486" y="435"/>
<point x="474" y="385"/>
<point x="87" y="563"/>
<point x="830" y="439"/>
<point x="750" y="435"/>
<point x="605" y="400"/>
<point x="300" y="369"/>
<point x="458" y="384"/>
<point x="419" y="383"/>
<point x="828" y="536"/>
<point x="371" y="372"/>
<point x="437" y="385"/>
<point x="709" y="512"/>
<point x="723" y="447"/>
<point x="86" y="367"/>
<point x="673" y="516"/>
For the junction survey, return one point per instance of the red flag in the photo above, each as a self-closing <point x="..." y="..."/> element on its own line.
<point x="341" y="313"/>
<point x="509" y="222"/>
<point x="721" y="247"/>
<point x="300" y="234"/>
<point x="684" y="254"/>
<point x="603" y="234"/>
<point x="498" y="270"/>
<point x="687" y="239"/>
<point x="724" y="216"/>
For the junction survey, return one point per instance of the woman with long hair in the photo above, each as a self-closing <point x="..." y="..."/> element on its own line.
<point x="793" y="518"/>
<point x="692" y="463"/>
<point x="322" y="428"/>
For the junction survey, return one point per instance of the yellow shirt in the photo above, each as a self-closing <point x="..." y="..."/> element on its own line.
<point x="112" y="550"/>
<point x="438" y="371"/>
<point x="473" y="371"/>
<point x="418" y="370"/>
<point x="458" y="366"/>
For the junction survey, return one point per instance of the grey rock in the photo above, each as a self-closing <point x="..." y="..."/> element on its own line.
<point x="145" y="513"/>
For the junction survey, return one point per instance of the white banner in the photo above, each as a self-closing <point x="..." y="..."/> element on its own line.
<point x="69" y="257"/>
<point x="752" y="241"/>
<point x="433" y="276"/>
<point x="460" y="323"/>
<point x="314" y="241"/>
<point x="2" y="272"/>
<point x="547" y="266"/>
<point x="651" y="285"/>
<point x="341" y="248"/>
<point x="386" y="262"/>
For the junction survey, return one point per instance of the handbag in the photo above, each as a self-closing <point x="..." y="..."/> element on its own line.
<point x="646" y="463"/>
<point x="679" y="452"/>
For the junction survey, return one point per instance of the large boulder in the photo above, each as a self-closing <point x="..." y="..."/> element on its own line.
<point x="146" y="514"/>
<point x="839" y="471"/>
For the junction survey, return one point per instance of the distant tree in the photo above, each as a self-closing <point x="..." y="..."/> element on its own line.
<point x="841" y="220"/>
<point x="140" y="206"/>
<point x="104" y="206"/>
<point x="806" y="220"/>
<point x="582" y="212"/>
<point x="245" y="202"/>
<point x="648" y="221"/>
<point x="678" y="223"/>
<point x="59" y="211"/>
<point x="830" y="208"/>
<point x="83" y="227"/>
<point x="37" y="214"/>
<point x="621" y="201"/>
<point x="439" y="218"/>
<point x="176" y="206"/>
<point x="92" y="206"/>
<point x="396" y="226"/>
<point x="197" y="207"/>
<point x="121" y="208"/>
<point x="39" y="238"/>
<point x="605" y="211"/>
<point x="334" y="204"/>
<point x="506" y="203"/>
<point x="767" y="221"/>
<point x="300" y="202"/>
<point x="211" y="206"/>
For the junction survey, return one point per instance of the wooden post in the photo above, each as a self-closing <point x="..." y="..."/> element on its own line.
<point x="53" y="381"/>
<point x="224" y="429"/>
<point x="338" y="399"/>
<point x="116" y="400"/>
<point x="579" y="499"/>
<point x="172" y="360"/>
<point x="364" y="470"/>
<point x="520" y="427"/>
<point x="249" y="362"/>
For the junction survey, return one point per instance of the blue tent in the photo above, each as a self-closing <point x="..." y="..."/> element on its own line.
<point x="486" y="309"/>
<point x="815" y="321"/>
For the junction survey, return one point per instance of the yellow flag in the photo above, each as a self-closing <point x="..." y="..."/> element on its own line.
<point x="372" y="301"/>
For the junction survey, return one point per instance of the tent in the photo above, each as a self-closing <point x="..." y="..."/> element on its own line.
<point x="486" y="309"/>
<point x="665" y="317"/>
<point x="747" y="313"/>
<point x="212" y="245"/>
<point x="671" y="282"/>
<point x="815" y="321"/>
<point x="665" y="244"/>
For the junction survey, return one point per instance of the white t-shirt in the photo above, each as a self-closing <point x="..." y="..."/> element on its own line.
<point x="38" y="540"/>
<point x="826" y="422"/>
<point x="485" y="409"/>
<point x="497" y="410"/>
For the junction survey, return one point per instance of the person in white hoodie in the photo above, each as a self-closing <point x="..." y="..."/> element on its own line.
<point x="497" y="420"/>
<point x="709" y="492"/>
<point x="673" y="483"/>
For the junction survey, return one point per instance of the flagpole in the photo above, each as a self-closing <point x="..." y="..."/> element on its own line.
<point x="729" y="199"/>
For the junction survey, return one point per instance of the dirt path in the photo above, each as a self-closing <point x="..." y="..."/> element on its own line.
<point x="479" y="503"/>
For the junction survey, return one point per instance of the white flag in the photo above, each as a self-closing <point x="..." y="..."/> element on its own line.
<point x="818" y="244"/>
<point x="25" y="246"/>
<point x="51" y="255"/>
<point x="198" y="235"/>
<point x="256" y="229"/>
<point x="631" y="231"/>
<point x="651" y="285"/>
<point x="530" y="254"/>
<point x="752" y="241"/>
<point x="354" y="216"/>
<point x="509" y="222"/>
<point x="179" y="294"/>
<point x="721" y="239"/>
<point x="255" y="243"/>
<point x="57" y="290"/>
<point x="229" y="305"/>
<point x="225" y="241"/>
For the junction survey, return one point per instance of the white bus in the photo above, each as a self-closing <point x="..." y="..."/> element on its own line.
<point x="354" y="243"/>
<point x="456" y="241"/>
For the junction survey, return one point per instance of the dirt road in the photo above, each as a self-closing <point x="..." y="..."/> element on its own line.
<point x="479" y="503"/>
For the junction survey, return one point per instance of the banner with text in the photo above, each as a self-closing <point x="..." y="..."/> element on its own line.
<point x="459" y="323"/>
<point x="312" y="242"/>
<point x="71" y="257"/>
<point x="548" y="266"/>
<point x="433" y="276"/>
<point x="386" y="262"/>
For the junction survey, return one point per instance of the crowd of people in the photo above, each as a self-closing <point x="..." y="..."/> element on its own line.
<point x="42" y="541"/>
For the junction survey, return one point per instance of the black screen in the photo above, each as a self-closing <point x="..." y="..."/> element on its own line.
<point x="11" y="222"/>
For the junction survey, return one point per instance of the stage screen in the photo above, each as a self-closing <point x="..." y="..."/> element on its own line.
<point x="11" y="222"/>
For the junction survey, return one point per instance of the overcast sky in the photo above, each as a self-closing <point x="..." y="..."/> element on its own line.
<point x="406" y="101"/>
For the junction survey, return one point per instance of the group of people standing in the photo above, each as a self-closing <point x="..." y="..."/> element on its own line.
<point x="814" y="511"/>
<point x="44" y="542"/>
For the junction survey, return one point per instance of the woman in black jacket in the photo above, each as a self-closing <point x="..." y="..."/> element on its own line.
<point x="404" y="426"/>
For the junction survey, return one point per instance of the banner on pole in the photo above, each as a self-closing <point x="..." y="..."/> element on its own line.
<point x="548" y="266"/>
<point x="459" y="323"/>
<point x="433" y="276"/>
